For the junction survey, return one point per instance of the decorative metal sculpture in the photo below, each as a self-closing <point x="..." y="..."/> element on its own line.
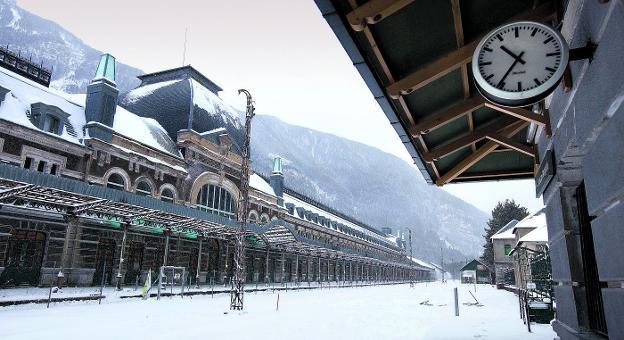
<point x="238" y="282"/>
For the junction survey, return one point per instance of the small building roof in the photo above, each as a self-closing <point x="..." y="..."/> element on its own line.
<point x="539" y="234"/>
<point x="472" y="265"/>
<point x="506" y="232"/>
<point x="532" y="221"/>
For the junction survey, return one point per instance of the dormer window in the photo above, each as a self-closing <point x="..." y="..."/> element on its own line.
<point x="52" y="124"/>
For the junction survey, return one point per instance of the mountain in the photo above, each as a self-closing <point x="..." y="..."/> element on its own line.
<point x="372" y="186"/>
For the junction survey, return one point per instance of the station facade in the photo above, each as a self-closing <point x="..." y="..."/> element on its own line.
<point x="105" y="187"/>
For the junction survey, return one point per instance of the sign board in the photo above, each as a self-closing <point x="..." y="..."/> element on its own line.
<point x="545" y="173"/>
<point x="531" y="285"/>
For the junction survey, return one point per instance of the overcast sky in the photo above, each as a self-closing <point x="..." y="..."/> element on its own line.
<point x="283" y="51"/>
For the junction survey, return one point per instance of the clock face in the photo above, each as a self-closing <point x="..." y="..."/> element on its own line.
<point x="520" y="63"/>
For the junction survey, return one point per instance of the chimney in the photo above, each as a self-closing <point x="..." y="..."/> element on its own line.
<point x="277" y="180"/>
<point x="101" y="102"/>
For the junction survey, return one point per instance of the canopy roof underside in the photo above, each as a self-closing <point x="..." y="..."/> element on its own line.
<point x="415" y="58"/>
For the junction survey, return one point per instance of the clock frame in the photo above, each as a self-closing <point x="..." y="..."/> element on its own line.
<point x="525" y="97"/>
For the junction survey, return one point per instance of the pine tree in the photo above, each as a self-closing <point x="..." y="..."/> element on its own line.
<point x="501" y="215"/>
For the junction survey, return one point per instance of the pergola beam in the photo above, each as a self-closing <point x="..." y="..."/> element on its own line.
<point x="453" y="60"/>
<point x="478" y="155"/>
<point x="373" y="12"/>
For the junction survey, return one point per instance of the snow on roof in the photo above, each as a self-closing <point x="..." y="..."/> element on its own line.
<point x="299" y="203"/>
<point x="422" y="263"/>
<point x="506" y="232"/>
<point x="539" y="234"/>
<point x="260" y="184"/>
<point x="25" y="92"/>
<point x="535" y="220"/>
<point x="213" y="105"/>
<point x="146" y="90"/>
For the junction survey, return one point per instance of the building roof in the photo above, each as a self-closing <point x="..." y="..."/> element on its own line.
<point x="187" y="71"/>
<point x="415" y="58"/>
<point x="472" y="265"/>
<point x="535" y="220"/>
<point x="506" y="232"/>
<point x="422" y="263"/>
<point x="24" y="92"/>
<point x="539" y="234"/>
<point x="174" y="101"/>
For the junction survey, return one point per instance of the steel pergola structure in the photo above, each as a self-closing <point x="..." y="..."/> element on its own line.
<point x="277" y="235"/>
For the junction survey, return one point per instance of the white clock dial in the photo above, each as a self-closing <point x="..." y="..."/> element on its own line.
<point x="519" y="63"/>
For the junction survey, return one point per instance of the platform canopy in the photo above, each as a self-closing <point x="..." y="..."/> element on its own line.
<point x="415" y="58"/>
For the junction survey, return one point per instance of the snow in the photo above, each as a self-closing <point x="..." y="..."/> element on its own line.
<point x="259" y="183"/>
<point x="533" y="221"/>
<point x="15" y="20"/>
<point x="140" y="129"/>
<point x="25" y="92"/>
<point x="421" y="262"/>
<point x="379" y="312"/>
<point x="147" y="90"/>
<point x="152" y="159"/>
<point x="213" y="105"/>
<point x="507" y="234"/>
<point x="539" y="234"/>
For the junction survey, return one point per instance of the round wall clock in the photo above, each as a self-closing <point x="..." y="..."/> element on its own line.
<point x="520" y="63"/>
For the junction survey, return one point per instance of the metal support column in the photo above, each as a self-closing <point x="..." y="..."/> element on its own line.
<point x="266" y="267"/>
<point x="121" y="253"/>
<point x="296" y="278"/>
<point x="283" y="268"/>
<point x="199" y="254"/>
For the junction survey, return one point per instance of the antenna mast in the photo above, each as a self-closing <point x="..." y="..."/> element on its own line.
<point x="184" y="51"/>
<point x="238" y="282"/>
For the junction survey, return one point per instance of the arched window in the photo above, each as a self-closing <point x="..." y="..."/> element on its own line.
<point x="116" y="181"/>
<point x="264" y="219"/>
<point x="167" y="195"/>
<point x="143" y="189"/>
<point x="217" y="200"/>
<point x="253" y="217"/>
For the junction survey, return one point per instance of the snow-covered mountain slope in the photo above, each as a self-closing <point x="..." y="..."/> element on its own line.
<point x="366" y="183"/>
<point x="73" y="62"/>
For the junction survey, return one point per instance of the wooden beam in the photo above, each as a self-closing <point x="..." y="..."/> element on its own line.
<point x="433" y="71"/>
<point x="494" y="175"/>
<point x="523" y="114"/>
<point x="438" y="119"/>
<point x="373" y="12"/>
<point x="478" y="155"/>
<point x="471" y="138"/>
<point x="451" y="61"/>
<point x="522" y="148"/>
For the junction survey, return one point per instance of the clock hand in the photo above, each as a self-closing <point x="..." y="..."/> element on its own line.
<point x="509" y="70"/>
<point x="519" y="58"/>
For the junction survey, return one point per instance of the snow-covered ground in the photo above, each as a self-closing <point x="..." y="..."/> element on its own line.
<point x="378" y="312"/>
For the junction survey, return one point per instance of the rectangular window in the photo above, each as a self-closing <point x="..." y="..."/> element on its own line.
<point x="28" y="162"/>
<point x="507" y="249"/>
<point x="53" y="169"/>
<point x="51" y="124"/>
<point x="41" y="166"/>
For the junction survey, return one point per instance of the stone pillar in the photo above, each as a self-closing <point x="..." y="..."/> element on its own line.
<point x="266" y="267"/>
<point x="283" y="267"/>
<point x="296" y="278"/>
<point x="66" y="257"/>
